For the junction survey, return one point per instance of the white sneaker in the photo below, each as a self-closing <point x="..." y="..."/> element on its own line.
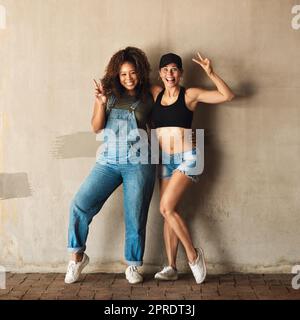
<point x="132" y="275"/>
<point x="167" y="273"/>
<point x="75" y="268"/>
<point x="198" y="267"/>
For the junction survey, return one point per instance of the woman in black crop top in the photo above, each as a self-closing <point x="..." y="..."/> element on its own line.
<point x="171" y="116"/>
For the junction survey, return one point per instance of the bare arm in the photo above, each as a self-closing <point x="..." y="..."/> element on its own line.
<point x="99" y="114"/>
<point x="98" y="118"/>
<point x="155" y="90"/>
<point x="222" y="94"/>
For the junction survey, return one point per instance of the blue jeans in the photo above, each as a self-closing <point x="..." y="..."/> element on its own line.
<point x="138" y="182"/>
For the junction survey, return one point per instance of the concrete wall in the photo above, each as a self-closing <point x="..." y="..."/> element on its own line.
<point x="245" y="210"/>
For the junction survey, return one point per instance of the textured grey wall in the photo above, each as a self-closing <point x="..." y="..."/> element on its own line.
<point x="245" y="210"/>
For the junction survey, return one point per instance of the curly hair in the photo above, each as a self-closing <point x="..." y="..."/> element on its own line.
<point x="111" y="81"/>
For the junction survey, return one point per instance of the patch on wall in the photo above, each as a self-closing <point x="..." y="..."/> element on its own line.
<point x="77" y="145"/>
<point x="14" y="185"/>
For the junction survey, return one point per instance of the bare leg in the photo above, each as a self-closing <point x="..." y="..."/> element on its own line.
<point x="172" y="194"/>
<point x="170" y="238"/>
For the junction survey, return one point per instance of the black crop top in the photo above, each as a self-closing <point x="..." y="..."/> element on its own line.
<point x="175" y="115"/>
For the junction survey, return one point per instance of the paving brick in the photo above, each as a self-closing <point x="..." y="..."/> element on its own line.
<point x="45" y="297"/>
<point x="165" y="284"/>
<point x="4" y="292"/>
<point x="87" y="295"/>
<point x="27" y="282"/>
<point x="257" y="281"/>
<point x="48" y="276"/>
<point x="212" y="279"/>
<point x="192" y="296"/>
<point x="196" y="288"/>
<point x="278" y="291"/>
<point x="99" y="285"/>
<point x="40" y="284"/>
<point x="213" y="285"/>
<point x="49" y="296"/>
<point x="8" y="297"/>
<point x="69" y="298"/>
<point x="226" y="286"/>
<point x="18" y="276"/>
<point x="23" y="287"/>
<point x="241" y="275"/>
<point x="258" y="286"/>
<point x="210" y="297"/>
<point x="247" y="296"/>
<point x="294" y="295"/>
<point x="231" y="291"/>
<point x="139" y="290"/>
<point x="209" y="294"/>
<point x="103" y="296"/>
<point x="156" y="289"/>
<point x="255" y="275"/>
<point x="121" y="282"/>
<point x="150" y="284"/>
<point x="14" y="282"/>
<point x="16" y="294"/>
<point x="228" y="297"/>
<point x="209" y="291"/>
<point x="227" y="280"/>
<point x="174" y="296"/>
<point x="58" y="292"/>
<point x="114" y="286"/>
<point x="294" y="291"/>
<point x="31" y="297"/>
<point x="33" y="276"/>
<point x="34" y="291"/>
<point x="244" y="288"/>
<point x="120" y="297"/>
<point x="155" y="298"/>
<point x="287" y="283"/>
<point x="186" y="279"/>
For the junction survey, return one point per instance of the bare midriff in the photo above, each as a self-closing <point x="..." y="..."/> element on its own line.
<point x="175" y="139"/>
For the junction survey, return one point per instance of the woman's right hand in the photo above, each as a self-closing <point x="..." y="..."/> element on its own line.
<point x="101" y="98"/>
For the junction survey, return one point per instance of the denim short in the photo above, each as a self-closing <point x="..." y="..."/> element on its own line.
<point x="187" y="162"/>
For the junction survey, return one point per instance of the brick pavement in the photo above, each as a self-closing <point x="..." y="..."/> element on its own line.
<point x="103" y="286"/>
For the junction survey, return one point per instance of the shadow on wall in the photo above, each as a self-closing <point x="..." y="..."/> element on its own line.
<point x="14" y="185"/>
<point x="200" y="194"/>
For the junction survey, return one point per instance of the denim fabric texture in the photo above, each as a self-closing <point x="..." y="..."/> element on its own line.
<point x="186" y="162"/>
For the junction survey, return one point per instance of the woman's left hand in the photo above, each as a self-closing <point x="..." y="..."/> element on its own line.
<point x="204" y="63"/>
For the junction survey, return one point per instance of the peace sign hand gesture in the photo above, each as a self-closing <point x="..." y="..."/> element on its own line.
<point x="99" y="93"/>
<point x="204" y="63"/>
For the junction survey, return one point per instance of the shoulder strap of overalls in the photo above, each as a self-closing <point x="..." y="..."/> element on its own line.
<point x="134" y="105"/>
<point x="110" y="103"/>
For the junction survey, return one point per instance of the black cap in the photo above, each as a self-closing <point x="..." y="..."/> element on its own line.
<point x="170" y="58"/>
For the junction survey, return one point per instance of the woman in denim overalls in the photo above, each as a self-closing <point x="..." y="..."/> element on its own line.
<point x="119" y="161"/>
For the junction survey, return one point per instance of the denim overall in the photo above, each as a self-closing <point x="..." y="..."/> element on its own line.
<point x="112" y="168"/>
